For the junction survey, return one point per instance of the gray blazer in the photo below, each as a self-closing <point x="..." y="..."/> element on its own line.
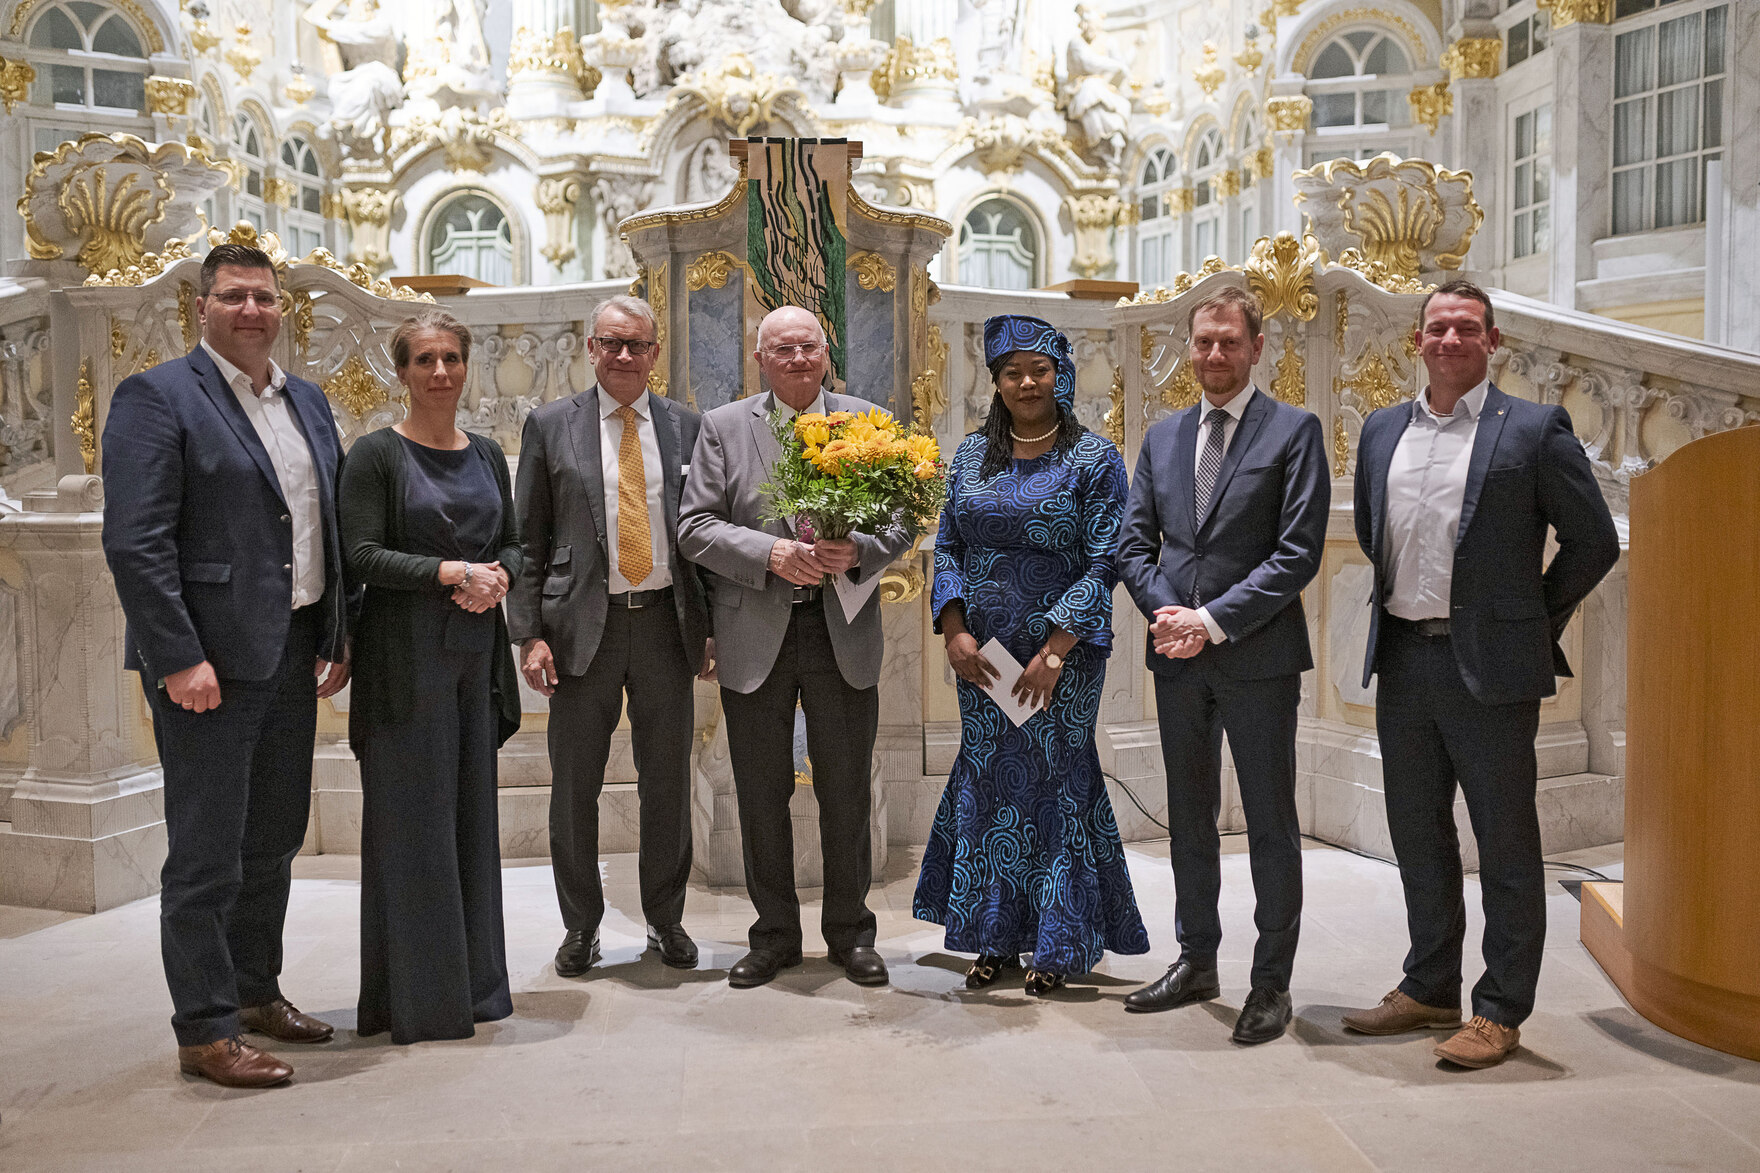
<point x="561" y="592"/>
<point x="722" y="529"/>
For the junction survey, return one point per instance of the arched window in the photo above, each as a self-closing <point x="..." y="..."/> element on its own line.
<point x="1155" y="221"/>
<point x="87" y="57"/>
<point x="1206" y="207"/>
<point x="305" y="212"/>
<point x="1246" y="145"/>
<point x="247" y="152"/>
<point x="1358" y="82"/>
<point x="472" y="236"/>
<point x="998" y="248"/>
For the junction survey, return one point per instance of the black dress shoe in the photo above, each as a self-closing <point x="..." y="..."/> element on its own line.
<point x="1264" y="1016"/>
<point x="578" y="953"/>
<point x="675" y="945"/>
<point x="1184" y="982"/>
<point x="759" y="966"/>
<point x="862" y="964"/>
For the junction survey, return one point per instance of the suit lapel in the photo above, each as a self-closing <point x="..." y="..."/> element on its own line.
<point x="666" y="438"/>
<point x="769" y="451"/>
<point x="1485" y="437"/>
<point x="1380" y="460"/>
<point x="1185" y="468"/>
<point x="1258" y="407"/>
<point x="583" y="432"/>
<point x="226" y="402"/>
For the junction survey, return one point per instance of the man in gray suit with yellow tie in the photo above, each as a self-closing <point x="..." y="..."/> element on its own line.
<point x="605" y="607"/>
<point x="783" y="636"/>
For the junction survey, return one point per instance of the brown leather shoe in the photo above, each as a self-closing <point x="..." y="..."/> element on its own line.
<point x="1397" y="1014"/>
<point x="282" y="1021"/>
<point x="1481" y="1043"/>
<point x="233" y="1063"/>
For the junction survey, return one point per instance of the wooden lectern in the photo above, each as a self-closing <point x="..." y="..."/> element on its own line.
<point x="1681" y="936"/>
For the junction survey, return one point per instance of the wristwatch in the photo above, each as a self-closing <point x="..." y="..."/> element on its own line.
<point x="1053" y="661"/>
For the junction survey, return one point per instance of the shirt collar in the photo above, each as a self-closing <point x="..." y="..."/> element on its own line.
<point x="608" y="406"/>
<point x="1236" y="407"/>
<point x="1470" y="405"/>
<point x="232" y="374"/>
<point x="818" y="405"/>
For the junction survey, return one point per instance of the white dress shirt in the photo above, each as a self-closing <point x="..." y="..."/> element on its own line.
<point x="291" y="456"/>
<point x="1236" y="408"/>
<point x="818" y="405"/>
<point x="610" y="442"/>
<point x="1426" y="484"/>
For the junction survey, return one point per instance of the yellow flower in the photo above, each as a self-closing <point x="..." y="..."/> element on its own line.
<point x="812" y="428"/>
<point x="840" y="417"/>
<point x="925" y="470"/>
<point x="811" y="452"/>
<point x="832" y="456"/>
<point x="923" y="449"/>
<point x="879" y="420"/>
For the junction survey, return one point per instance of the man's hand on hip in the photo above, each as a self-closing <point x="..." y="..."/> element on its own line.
<point x="196" y="688"/>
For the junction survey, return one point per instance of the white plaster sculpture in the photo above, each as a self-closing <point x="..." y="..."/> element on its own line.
<point x="450" y="68"/>
<point x="367" y="88"/>
<point x="1094" y="98"/>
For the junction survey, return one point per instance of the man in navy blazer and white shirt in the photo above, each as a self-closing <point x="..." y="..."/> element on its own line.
<point x="220" y="531"/>
<point x="1226" y="524"/>
<point x="1455" y="493"/>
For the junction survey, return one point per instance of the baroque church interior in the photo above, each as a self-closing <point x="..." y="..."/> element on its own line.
<point x="1594" y="164"/>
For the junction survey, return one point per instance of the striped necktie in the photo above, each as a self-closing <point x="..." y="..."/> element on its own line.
<point x="1209" y="464"/>
<point x="635" y="541"/>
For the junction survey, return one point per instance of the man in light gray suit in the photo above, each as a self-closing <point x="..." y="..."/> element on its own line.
<point x="604" y="607"/>
<point x="781" y="635"/>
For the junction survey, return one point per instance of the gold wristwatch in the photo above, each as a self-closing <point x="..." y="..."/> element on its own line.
<point x="1053" y="661"/>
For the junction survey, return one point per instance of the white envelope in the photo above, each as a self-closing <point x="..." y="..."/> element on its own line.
<point x="854" y="595"/>
<point x="1008" y="670"/>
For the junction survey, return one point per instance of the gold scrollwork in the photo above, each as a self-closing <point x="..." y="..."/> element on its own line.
<point x="1341" y="447"/>
<point x="1578" y="11"/>
<point x="715" y="211"/>
<point x="710" y="270"/>
<point x="244" y="57"/>
<point x="1209" y="72"/>
<point x="873" y="272"/>
<point x="1289" y="114"/>
<point x="903" y="581"/>
<point x="85" y="420"/>
<point x="355" y="389"/>
<point x="927" y="397"/>
<point x="1374" y="383"/>
<point x="1378" y="273"/>
<point x="1341" y="321"/>
<point x="186" y="313"/>
<point x="1113" y="421"/>
<point x="278" y="192"/>
<point x="1473" y="58"/>
<point x="170" y="95"/>
<point x="1281" y="273"/>
<point x="118" y="339"/>
<point x="909" y="64"/>
<point x="1184" y="390"/>
<point x="299" y="312"/>
<point x="1430" y="103"/>
<point x="15" y="81"/>
<point x="1291" y="384"/>
<point x="658" y="293"/>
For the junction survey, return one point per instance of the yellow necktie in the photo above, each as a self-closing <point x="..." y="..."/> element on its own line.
<point x="635" y="543"/>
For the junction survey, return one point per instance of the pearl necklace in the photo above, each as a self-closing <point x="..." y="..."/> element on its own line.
<point x="1020" y="439"/>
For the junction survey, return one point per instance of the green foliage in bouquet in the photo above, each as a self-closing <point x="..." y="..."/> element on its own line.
<point x="848" y="471"/>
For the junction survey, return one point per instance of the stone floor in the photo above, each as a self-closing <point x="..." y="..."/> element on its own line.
<point x="641" y="1067"/>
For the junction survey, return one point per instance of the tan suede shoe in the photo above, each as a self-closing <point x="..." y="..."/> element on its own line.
<point x="233" y="1063"/>
<point x="1398" y="1014"/>
<point x="284" y="1022"/>
<point x="1481" y="1043"/>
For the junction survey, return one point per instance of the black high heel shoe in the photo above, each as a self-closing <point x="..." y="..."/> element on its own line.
<point x="1040" y="982"/>
<point x="987" y="970"/>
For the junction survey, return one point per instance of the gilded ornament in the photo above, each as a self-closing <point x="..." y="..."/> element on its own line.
<point x="1374" y="384"/>
<point x="927" y="397"/>
<point x="170" y="96"/>
<point x="1281" y="274"/>
<point x="1473" y="57"/>
<point x="186" y="313"/>
<point x="1289" y="114"/>
<point x="1113" y="421"/>
<point x="112" y="196"/>
<point x="203" y="37"/>
<point x="1263" y="162"/>
<point x="1209" y="72"/>
<point x="539" y="53"/>
<point x="299" y="89"/>
<point x="1378" y="273"/>
<point x="278" y="192"/>
<point x="1155" y="296"/>
<point x="150" y="266"/>
<point x="1251" y="56"/>
<point x="1184" y="390"/>
<point x="1225" y="185"/>
<point x="736" y="94"/>
<point x="243" y="56"/>
<point x="15" y="81"/>
<point x="872" y="272"/>
<point x="557" y="197"/>
<point x="1408" y="214"/>
<point x="1094" y="216"/>
<point x="1341" y="321"/>
<point x="1578" y="11"/>
<point x="1341" y="447"/>
<point x="85" y="419"/>
<point x="908" y="64"/>
<point x="1156" y="103"/>
<point x="296" y="306"/>
<point x="359" y="275"/>
<point x="1290" y="386"/>
<point x="148" y="362"/>
<point x="657" y="294"/>
<point x="712" y="269"/>
<point x="1430" y="103"/>
<point x="1180" y="200"/>
<point x="355" y="389"/>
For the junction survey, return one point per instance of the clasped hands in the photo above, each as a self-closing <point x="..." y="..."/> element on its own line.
<point x="1178" y="632"/>
<point x="486" y="587"/>
<point x="807" y="563"/>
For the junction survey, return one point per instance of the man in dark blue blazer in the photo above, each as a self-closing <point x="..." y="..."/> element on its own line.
<point x="1455" y="493"/>
<point x="1226" y="524"/>
<point x="220" y="531"/>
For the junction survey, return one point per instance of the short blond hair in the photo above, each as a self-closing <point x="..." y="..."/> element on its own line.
<point x="435" y="319"/>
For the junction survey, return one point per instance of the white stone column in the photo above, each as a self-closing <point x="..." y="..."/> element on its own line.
<point x="1474" y="130"/>
<point x="925" y="74"/>
<point x="88" y="824"/>
<point x="1287" y="114"/>
<point x="544" y="61"/>
<point x="1582" y="152"/>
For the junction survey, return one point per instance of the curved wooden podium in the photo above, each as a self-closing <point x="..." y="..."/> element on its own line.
<point x="1686" y="952"/>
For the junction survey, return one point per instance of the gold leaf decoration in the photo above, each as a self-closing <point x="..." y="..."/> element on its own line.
<point x="85" y="420"/>
<point x="1341" y="446"/>
<point x="186" y="313"/>
<point x="355" y="389"/>
<point x="1113" y="421"/>
<point x="1184" y="391"/>
<point x="1281" y="274"/>
<point x="1291" y="385"/>
<point x="872" y="272"/>
<point x="1374" y="383"/>
<point x="710" y="271"/>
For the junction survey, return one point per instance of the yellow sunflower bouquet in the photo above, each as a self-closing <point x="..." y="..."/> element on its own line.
<point x="845" y="471"/>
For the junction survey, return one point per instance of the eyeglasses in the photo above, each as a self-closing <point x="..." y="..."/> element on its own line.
<point x="636" y="346"/>
<point x="233" y="298"/>
<point x="800" y="349"/>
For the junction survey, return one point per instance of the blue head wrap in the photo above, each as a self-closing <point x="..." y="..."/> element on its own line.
<point x="1006" y="333"/>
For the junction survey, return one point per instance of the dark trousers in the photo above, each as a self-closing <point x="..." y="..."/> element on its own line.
<point x="1434" y="733"/>
<point x="1195" y="707"/>
<point x="841" y="725"/>
<point x="433" y="949"/>
<point x="238" y="790"/>
<point x="642" y="655"/>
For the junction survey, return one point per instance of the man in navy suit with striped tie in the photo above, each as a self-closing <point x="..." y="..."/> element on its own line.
<point x="1226" y="523"/>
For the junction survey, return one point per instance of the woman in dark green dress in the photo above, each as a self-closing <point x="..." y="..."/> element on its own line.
<point x="428" y="526"/>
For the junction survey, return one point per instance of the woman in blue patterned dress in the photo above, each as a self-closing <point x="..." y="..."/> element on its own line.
<point x="1024" y="856"/>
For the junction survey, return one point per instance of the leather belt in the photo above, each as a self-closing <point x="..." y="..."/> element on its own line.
<point x="636" y="600"/>
<point x="1428" y="628"/>
<point x="810" y="594"/>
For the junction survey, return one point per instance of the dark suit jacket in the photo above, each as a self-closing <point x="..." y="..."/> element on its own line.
<point x="196" y="531"/>
<point x="1527" y="471"/>
<point x="561" y="592"/>
<point x="1258" y="545"/>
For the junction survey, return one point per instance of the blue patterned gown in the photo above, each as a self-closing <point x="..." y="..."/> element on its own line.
<point x="1024" y="856"/>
